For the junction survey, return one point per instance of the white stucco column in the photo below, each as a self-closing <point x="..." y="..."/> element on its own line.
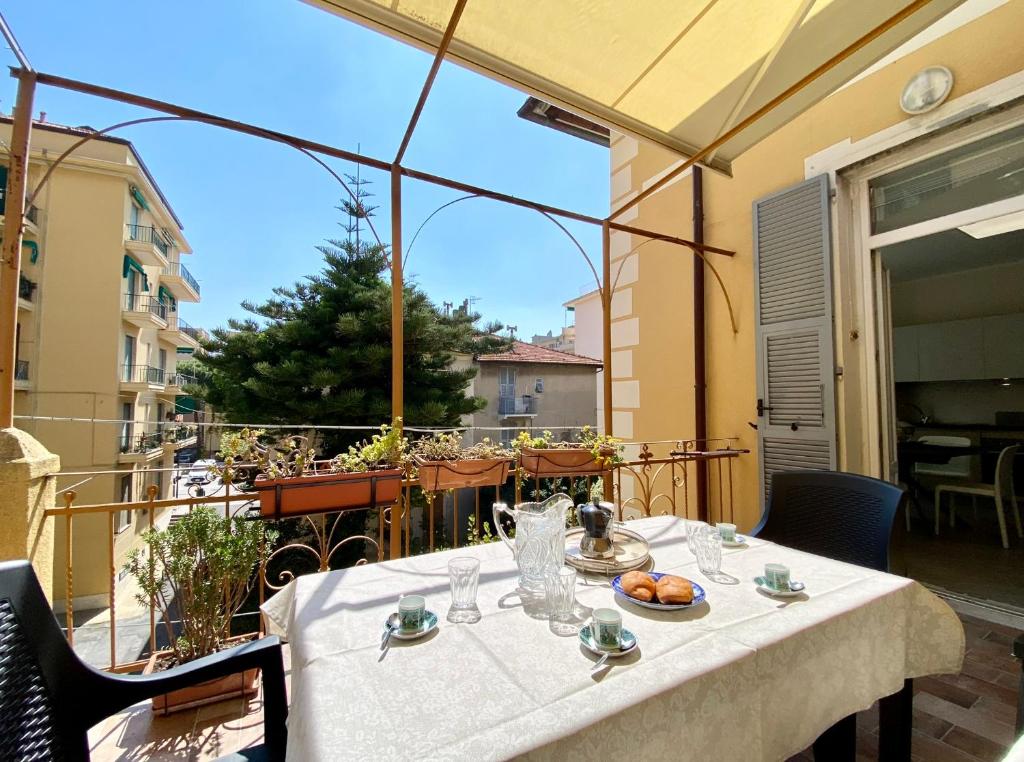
<point x="26" y="491"/>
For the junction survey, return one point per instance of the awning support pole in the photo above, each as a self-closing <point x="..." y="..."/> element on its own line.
<point x="606" y="325"/>
<point x="442" y="48"/>
<point x="14" y="214"/>
<point x="700" y="385"/>
<point x="397" y="337"/>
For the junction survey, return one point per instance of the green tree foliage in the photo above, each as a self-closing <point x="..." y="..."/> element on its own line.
<point x="319" y="352"/>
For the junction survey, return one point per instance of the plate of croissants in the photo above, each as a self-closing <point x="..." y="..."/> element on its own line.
<point x="654" y="590"/>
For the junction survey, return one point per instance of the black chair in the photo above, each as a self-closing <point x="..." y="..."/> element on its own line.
<point x="49" y="698"/>
<point x="842" y="516"/>
<point x="849" y="518"/>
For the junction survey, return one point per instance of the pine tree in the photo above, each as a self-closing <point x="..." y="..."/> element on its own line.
<point x="319" y="352"/>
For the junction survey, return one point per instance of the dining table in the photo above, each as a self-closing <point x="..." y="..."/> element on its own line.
<point x="741" y="676"/>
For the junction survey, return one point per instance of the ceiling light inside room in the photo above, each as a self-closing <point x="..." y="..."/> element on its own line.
<point x="1007" y="223"/>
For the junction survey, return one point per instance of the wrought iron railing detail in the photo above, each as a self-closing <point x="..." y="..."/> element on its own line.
<point x="655" y="478"/>
<point x="134" y="302"/>
<point x="146" y="234"/>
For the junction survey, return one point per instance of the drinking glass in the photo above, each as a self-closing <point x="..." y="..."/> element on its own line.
<point x="707" y="547"/>
<point x="560" y="587"/>
<point x="464" y="577"/>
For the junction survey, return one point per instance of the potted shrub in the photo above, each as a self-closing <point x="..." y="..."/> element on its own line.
<point x="290" y="483"/>
<point x="590" y="453"/>
<point x="199" y="570"/>
<point x="445" y="464"/>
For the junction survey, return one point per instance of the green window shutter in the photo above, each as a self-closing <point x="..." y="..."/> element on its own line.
<point x="137" y="197"/>
<point x="167" y="298"/>
<point x="129" y="265"/>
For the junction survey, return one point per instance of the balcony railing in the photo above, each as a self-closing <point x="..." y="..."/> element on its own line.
<point x="180" y="379"/>
<point x="145" y="303"/>
<point x="188" y="330"/>
<point x="26" y="288"/>
<point x="655" y="478"/>
<point x="524" y="405"/>
<point x="175" y="267"/>
<point x="147" y="234"/>
<point x="143" y="374"/>
<point x="137" y="444"/>
<point x="21" y="370"/>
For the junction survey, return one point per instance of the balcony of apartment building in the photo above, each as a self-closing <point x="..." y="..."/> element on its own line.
<point x="179" y="436"/>
<point x="175" y="383"/>
<point x="143" y="378"/>
<point x="144" y="311"/>
<point x="523" y="406"/>
<point x="180" y="281"/>
<point x="26" y="293"/>
<point x="179" y="333"/>
<point x="150" y="244"/>
<point x="142" y="447"/>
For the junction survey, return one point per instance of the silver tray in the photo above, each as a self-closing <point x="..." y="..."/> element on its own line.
<point x="631" y="552"/>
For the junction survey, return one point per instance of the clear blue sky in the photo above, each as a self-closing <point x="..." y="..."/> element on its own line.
<point x="254" y="210"/>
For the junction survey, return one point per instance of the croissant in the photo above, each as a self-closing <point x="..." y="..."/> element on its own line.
<point x="639" y="585"/>
<point x="673" y="589"/>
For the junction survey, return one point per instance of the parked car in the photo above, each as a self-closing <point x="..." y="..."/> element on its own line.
<point x="200" y="471"/>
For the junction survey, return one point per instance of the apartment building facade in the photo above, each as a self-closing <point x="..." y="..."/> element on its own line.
<point x="99" y="329"/>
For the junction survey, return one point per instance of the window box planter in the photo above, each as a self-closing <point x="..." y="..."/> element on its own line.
<point x="327" y="493"/>
<point x="240" y="684"/>
<point x="440" y="475"/>
<point x="562" y="461"/>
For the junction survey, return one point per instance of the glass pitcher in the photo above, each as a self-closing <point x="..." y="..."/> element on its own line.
<point x="539" y="544"/>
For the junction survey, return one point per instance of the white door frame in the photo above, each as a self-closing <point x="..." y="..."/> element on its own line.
<point x="864" y="408"/>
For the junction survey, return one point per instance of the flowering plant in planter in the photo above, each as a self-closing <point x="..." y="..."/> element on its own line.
<point x="444" y="463"/>
<point x="590" y="452"/>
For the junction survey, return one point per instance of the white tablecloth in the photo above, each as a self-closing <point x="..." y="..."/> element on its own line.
<point x="741" y="677"/>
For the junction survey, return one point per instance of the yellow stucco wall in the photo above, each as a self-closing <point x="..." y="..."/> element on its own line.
<point x="979" y="53"/>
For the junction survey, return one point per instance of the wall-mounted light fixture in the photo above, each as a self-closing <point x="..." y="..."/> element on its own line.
<point x="926" y="90"/>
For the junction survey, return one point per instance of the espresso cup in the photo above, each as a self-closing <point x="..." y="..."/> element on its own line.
<point x="728" y="532"/>
<point x="608" y="629"/>
<point x="410" y="612"/>
<point x="776" y="576"/>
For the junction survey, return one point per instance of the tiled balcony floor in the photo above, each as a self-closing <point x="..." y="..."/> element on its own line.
<point x="957" y="718"/>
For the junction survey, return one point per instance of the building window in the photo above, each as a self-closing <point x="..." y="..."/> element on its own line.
<point x="123" y="519"/>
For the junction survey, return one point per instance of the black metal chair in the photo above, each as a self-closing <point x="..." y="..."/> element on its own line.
<point x="847" y="517"/>
<point x="49" y="698"/>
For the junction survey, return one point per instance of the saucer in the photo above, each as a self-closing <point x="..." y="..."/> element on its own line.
<point x="628" y="643"/>
<point x="428" y="624"/>
<point x="739" y="542"/>
<point x="795" y="588"/>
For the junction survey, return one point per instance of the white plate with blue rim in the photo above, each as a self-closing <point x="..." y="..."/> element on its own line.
<point x="698" y="595"/>
<point x="739" y="542"/>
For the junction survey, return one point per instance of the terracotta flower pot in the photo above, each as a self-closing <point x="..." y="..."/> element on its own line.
<point x="561" y="461"/>
<point x="323" y="493"/>
<point x="440" y="475"/>
<point x="232" y="686"/>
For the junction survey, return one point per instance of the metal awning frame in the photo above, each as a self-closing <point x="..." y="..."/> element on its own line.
<point x="13" y="227"/>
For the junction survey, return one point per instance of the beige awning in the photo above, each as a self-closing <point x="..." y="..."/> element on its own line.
<point x="676" y="72"/>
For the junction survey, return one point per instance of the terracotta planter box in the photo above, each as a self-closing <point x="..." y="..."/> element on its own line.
<point x="325" y="493"/>
<point x="212" y="691"/>
<point x="556" y="461"/>
<point x="440" y="475"/>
